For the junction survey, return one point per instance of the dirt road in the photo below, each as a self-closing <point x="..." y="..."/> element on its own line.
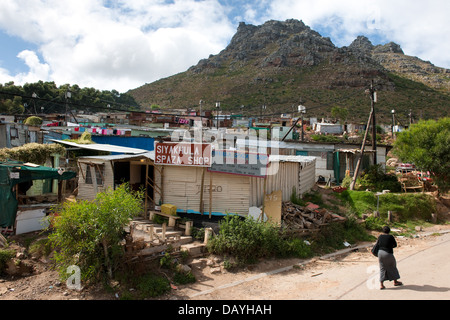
<point x="423" y="263"/>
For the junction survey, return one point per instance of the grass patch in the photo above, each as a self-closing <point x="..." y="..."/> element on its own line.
<point x="359" y="202"/>
<point x="404" y="206"/>
<point x="333" y="236"/>
<point x="248" y="240"/>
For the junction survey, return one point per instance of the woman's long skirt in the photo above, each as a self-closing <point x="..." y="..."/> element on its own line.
<point x="388" y="266"/>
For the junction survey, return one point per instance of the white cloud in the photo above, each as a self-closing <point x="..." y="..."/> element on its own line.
<point x="123" y="44"/>
<point x="119" y="46"/>
<point x="37" y="70"/>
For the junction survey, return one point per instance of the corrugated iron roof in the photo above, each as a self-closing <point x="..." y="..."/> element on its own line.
<point x="102" y="147"/>
<point x="284" y="158"/>
<point x="149" y="155"/>
<point x="355" y="150"/>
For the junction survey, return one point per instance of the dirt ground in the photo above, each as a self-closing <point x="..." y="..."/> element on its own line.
<point x="42" y="283"/>
<point x="317" y="278"/>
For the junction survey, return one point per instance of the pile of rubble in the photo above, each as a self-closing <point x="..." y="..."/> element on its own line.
<point x="306" y="219"/>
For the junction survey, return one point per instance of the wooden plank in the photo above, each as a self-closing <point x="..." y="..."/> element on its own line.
<point x="210" y="194"/>
<point x="201" y="190"/>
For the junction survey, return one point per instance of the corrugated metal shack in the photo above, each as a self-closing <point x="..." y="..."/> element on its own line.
<point x="233" y="193"/>
<point x="182" y="185"/>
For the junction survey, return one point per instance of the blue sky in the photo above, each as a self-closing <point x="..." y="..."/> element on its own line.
<point x="124" y="44"/>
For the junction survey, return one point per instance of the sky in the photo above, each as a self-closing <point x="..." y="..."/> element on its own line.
<point x="125" y="44"/>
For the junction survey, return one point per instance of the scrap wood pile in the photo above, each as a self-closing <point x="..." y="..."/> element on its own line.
<point x="306" y="219"/>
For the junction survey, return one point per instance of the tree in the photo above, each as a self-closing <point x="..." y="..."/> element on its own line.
<point x="88" y="233"/>
<point x="33" y="121"/>
<point x="339" y="113"/>
<point x="427" y="145"/>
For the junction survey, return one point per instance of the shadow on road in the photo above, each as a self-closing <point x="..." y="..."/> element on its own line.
<point x="424" y="288"/>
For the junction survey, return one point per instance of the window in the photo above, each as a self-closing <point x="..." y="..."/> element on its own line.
<point x="99" y="170"/>
<point x="14" y="133"/>
<point x="330" y="161"/>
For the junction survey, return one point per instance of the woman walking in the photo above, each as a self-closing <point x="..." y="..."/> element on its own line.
<point x="388" y="264"/>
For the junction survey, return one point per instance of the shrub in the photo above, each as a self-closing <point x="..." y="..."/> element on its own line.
<point x="88" y="233"/>
<point x="31" y="152"/>
<point x="41" y="247"/>
<point x="184" y="278"/>
<point x="5" y="256"/>
<point x="246" y="239"/>
<point x="375" y="223"/>
<point x="151" y="286"/>
<point x="295" y="247"/>
<point x="375" y="179"/>
<point x="33" y="121"/>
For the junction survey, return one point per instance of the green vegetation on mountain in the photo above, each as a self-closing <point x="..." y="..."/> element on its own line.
<point x="283" y="64"/>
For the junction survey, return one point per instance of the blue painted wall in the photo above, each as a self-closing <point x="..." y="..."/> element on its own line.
<point x="145" y="143"/>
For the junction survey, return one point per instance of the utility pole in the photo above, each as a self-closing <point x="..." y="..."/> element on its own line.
<point x="373" y="100"/>
<point x="34" y="95"/>
<point x="68" y="95"/>
<point x="358" y="164"/>
<point x="302" y="109"/>
<point x="201" y="116"/>
<point x="217" y="117"/>
<point x="393" y="122"/>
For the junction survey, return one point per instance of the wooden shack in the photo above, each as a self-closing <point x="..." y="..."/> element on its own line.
<point x="98" y="173"/>
<point x="195" y="189"/>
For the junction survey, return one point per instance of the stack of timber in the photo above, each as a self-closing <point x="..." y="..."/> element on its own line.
<point x="306" y="220"/>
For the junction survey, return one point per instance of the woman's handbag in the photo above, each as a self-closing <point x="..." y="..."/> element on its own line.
<point x="375" y="249"/>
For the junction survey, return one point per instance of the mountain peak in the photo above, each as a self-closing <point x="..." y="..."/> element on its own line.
<point x="274" y="43"/>
<point x="362" y="43"/>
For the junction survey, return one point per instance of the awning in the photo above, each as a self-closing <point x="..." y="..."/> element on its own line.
<point x="102" y="147"/>
<point x="15" y="172"/>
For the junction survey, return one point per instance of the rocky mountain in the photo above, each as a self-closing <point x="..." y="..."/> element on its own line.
<point x="393" y="59"/>
<point x="281" y="64"/>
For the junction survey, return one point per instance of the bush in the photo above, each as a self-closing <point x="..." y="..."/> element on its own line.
<point x="151" y="286"/>
<point x="247" y="239"/>
<point x="295" y="247"/>
<point x="375" y="179"/>
<point x="88" y="233"/>
<point x="5" y="256"/>
<point x="33" y="121"/>
<point x="375" y="223"/>
<point x="184" y="278"/>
